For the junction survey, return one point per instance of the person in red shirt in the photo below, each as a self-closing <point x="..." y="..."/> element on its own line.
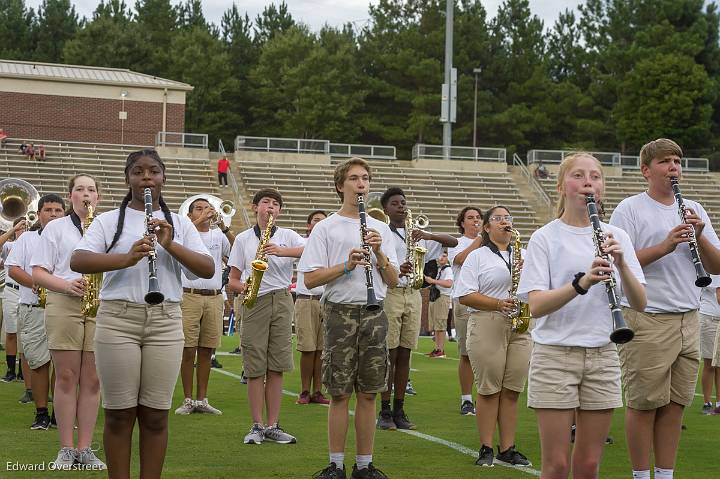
<point x="222" y="168"/>
<point x="41" y="152"/>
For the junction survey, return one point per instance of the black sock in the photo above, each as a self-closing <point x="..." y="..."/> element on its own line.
<point x="10" y="360"/>
<point x="398" y="404"/>
<point x="385" y="405"/>
<point x="41" y="411"/>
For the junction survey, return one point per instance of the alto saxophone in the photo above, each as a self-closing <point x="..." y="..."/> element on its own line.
<point x="93" y="282"/>
<point x="258" y="267"/>
<point x="415" y="254"/>
<point x="520" y="317"/>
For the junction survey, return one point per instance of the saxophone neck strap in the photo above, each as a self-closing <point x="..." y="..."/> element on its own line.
<point x="76" y="221"/>
<point x="493" y="247"/>
<point x="394" y="229"/>
<point x="258" y="233"/>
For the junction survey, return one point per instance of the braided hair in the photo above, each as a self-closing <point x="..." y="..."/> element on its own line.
<point x="131" y="159"/>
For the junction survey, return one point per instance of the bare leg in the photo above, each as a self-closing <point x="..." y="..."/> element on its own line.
<point x="592" y="429"/>
<point x="204" y="357"/>
<point x="65" y="400"/>
<point x="273" y="396"/>
<point x="440" y="340"/>
<point x="153" y="425"/>
<point x="385" y="396"/>
<point x="364" y="423"/>
<point x="317" y="372"/>
<point x="256" y="398"/>
<point x="554" y="426"/>
<point x="186" y="370"/>
<point x="466" y="375"/>
<point x="338" y="418"/>
<point x="639" y="426"/>
<point x="668" y="424"/>
<point x="307" y="365"/>
<point x="41" y="384"/>
<point x="402" y="371"/>
<point x="507" y="418"/>
<point x="117" y="441"/>
<point x="708" y="377"/>
<point x="486" y="417"/>
<point x="88" y="400"/>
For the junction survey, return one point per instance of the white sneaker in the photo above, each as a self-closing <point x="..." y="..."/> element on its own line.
<point x="87" y="458"/>
<point x="66" y="458"/>
<point x="205" y="407"/>
<point x="187" y="407"/>
<point x="276" y="434"/>
<point x="256" y="434"/>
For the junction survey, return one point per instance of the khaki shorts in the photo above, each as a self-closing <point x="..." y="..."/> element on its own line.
<point x="67" y="328"/>
<point x="10" y="302"/>
<point x="356" y="353"/>
<point x="461" y="316"/>
<point x="438" y="313"/>
<point x="708" y="331"/>
<point x="266" y="334"/>
<point x="499" y="357"/>
<point x="138" y="350"/>
<point x="661" y="363"/>
<point x="31" y="325"/>
<point x="308" y="324"/>
<point x="202" y="320"/>
<point x="568" y="377"/>
<point x="403" y="307"/>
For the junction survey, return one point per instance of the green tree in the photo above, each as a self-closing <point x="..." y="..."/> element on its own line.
<point x="16" y="23"/>
<point x="57" y="23"/>
<point x="157" y="22"/>
<point x="273" y="20"/>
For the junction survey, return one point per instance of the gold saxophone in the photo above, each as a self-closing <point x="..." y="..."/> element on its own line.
<point x="415" y="254"/>
<point x="93" y="282"/>
<point x="520" y="317"/>
<point x="258" y="267"/>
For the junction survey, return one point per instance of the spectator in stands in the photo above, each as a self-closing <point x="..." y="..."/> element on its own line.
<point x="23" y="147"/>
<point x="30" y="152"/>
<point x="222" y="169"/>
<point x="541" y="172"/>
<point x="3" y="137"/>
<point x="41" y="152"/>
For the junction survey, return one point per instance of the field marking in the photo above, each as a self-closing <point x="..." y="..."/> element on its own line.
<point x="452" y="445"/>
<point x="446" y="357"/>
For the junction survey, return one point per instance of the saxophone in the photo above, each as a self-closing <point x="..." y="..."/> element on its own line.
<point x="258" y="267"/>
<point x="520" y="317"/>
<point x="415" y="254"/>
<point x="93" y="282"/>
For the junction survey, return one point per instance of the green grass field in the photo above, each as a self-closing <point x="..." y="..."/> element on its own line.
<point x="203" y="446"/>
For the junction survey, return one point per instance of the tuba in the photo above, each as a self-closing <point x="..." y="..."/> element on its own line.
<point x="520" y="317"/>
<point x="224" y="210"/>
<point x="258" y="267"/>
<point x="374" y="207"/>
<point x="17" y="198"/>
<point x="93" y="282"/>
<point x="415" y="254"/>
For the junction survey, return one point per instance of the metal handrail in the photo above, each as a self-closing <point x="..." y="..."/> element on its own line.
<point x="239" y="200"/>
<point x="534" y="184"/>
<point x="378" y="152"/>
<point x="465" y="153"/>
<point x="608" y="158"/>
<point x="292" y="145"/>
<point x="631" y="162"/>
<point x="161" y="139"/>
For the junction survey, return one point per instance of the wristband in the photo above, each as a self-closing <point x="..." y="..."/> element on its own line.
<point x="576" y="284"/>
<point x="382" y="268"/>
<point x="346" y="271"/>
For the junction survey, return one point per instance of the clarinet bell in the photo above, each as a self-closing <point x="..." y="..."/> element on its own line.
<point x="154" y="296"/>
<point x="703" y="281"/>
<point x="622" y="335"/>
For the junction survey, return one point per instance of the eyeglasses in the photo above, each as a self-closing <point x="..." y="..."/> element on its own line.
<point x="499" y="218"/>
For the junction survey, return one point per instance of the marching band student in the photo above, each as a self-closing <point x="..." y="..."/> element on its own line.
<point x="11" y="295"/>
<point x="70" y="334"/>
<point x="308" y="327"/>
<point x="203" y="307"/>
<point x="355" y="358"/>
<point x="31" y="316"/>
<point x="499" y="356"/>
<point x="709" y="320"/>
<point x="138" y="347"/>
<point x="266" y="328"/>
<point x="573" y="365"/>
<point x="469" y="224"/>
<point x="403" y="307"/>
<point x="660" y="366"/>
<point x="439" y="308"/>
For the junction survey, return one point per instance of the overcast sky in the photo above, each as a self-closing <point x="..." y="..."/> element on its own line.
<point x="334" y="12"/>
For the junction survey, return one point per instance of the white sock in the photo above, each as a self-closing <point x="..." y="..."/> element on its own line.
<point x="338" y="458"/>
<point x="641" y="474"/>
<point x="663" y="473"/>
<point x="363" y="461"/>
<point x="465" y="397"/>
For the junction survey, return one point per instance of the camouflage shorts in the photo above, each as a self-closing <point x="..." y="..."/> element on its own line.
<point x="355" y="356"/>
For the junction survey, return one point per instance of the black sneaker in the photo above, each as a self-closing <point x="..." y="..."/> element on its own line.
<point x="330" y="472"/>
<point x="215" y="364"/>
<point x="467" y="408"/>
<point x="401" y="420"/>
<point x="513" y="457"/>
<point x="707" y="408"/>
<point x="9" y="377"/>
<point x="243" y="378"/>
<point x="42" y="422"/>
<point x="368" y="473"/>
<point x="385" y="420"/>
<point x="485" y="456"/>
<point x="236" y="350"/>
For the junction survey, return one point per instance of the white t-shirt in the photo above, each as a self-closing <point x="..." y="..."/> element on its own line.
<point x="219" y="246"/>
<point x="708" y="298"/>
<point x="330" y="244"/>
<point x="279" y="272"/>
<point x="463" y="243"/>
<point x="671" y="279"/>
<point x="484" y="272"/>
<point x="131" y="284"/>
<point x="7" y="247"/>
<point x="555" y="254"/>
<point x="21" y="255"/>
<point x="301" y="289"/>
<point x="57" y="243"/>
<point x="434" y="250"/>
<point x="445" y="273"/>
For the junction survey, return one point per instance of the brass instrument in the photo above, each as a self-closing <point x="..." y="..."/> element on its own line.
<point x="703" y="279"/>
<point x="17" y="198"/>
<point x="41" y="297"/>
<point x="258" y="267"/>
<point x="374" y="209"/>
<point x="153" y="296"/>
<point x="224" y="209"/>
<point x="93" y="282"/>
<point x="520" y="316"/>
<point x="372" y="303"/>
<point x="415" y="254"/>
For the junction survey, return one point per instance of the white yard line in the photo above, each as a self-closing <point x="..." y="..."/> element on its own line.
<point x="452" y="445"/>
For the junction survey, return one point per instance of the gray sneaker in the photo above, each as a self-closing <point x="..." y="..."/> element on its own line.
<point x="385" y="420"/>
<point x="65" y="458"/>
<point x="256" y="434"/>
<point x="205" y="407"/>
<point x="26" y="398"/>
<point x="276" y="434"/>
<point x="187" y="407"/>
<point x="87" y="458"/>
<point x="467" y="408"/>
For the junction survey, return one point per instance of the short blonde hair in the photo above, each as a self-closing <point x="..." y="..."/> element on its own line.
<point x="342" y="169"/>
<point x="565" y="166"/>
<point x="659" y="149"/>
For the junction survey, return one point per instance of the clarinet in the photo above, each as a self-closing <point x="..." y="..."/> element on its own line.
<point x="153" y="296"/>
<point x="621" y="334"/>
<point x="372" y="303"/>
<point x="702" y="277"/>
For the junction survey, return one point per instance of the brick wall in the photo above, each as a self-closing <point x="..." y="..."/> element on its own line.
<point x="53" y="117"/>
